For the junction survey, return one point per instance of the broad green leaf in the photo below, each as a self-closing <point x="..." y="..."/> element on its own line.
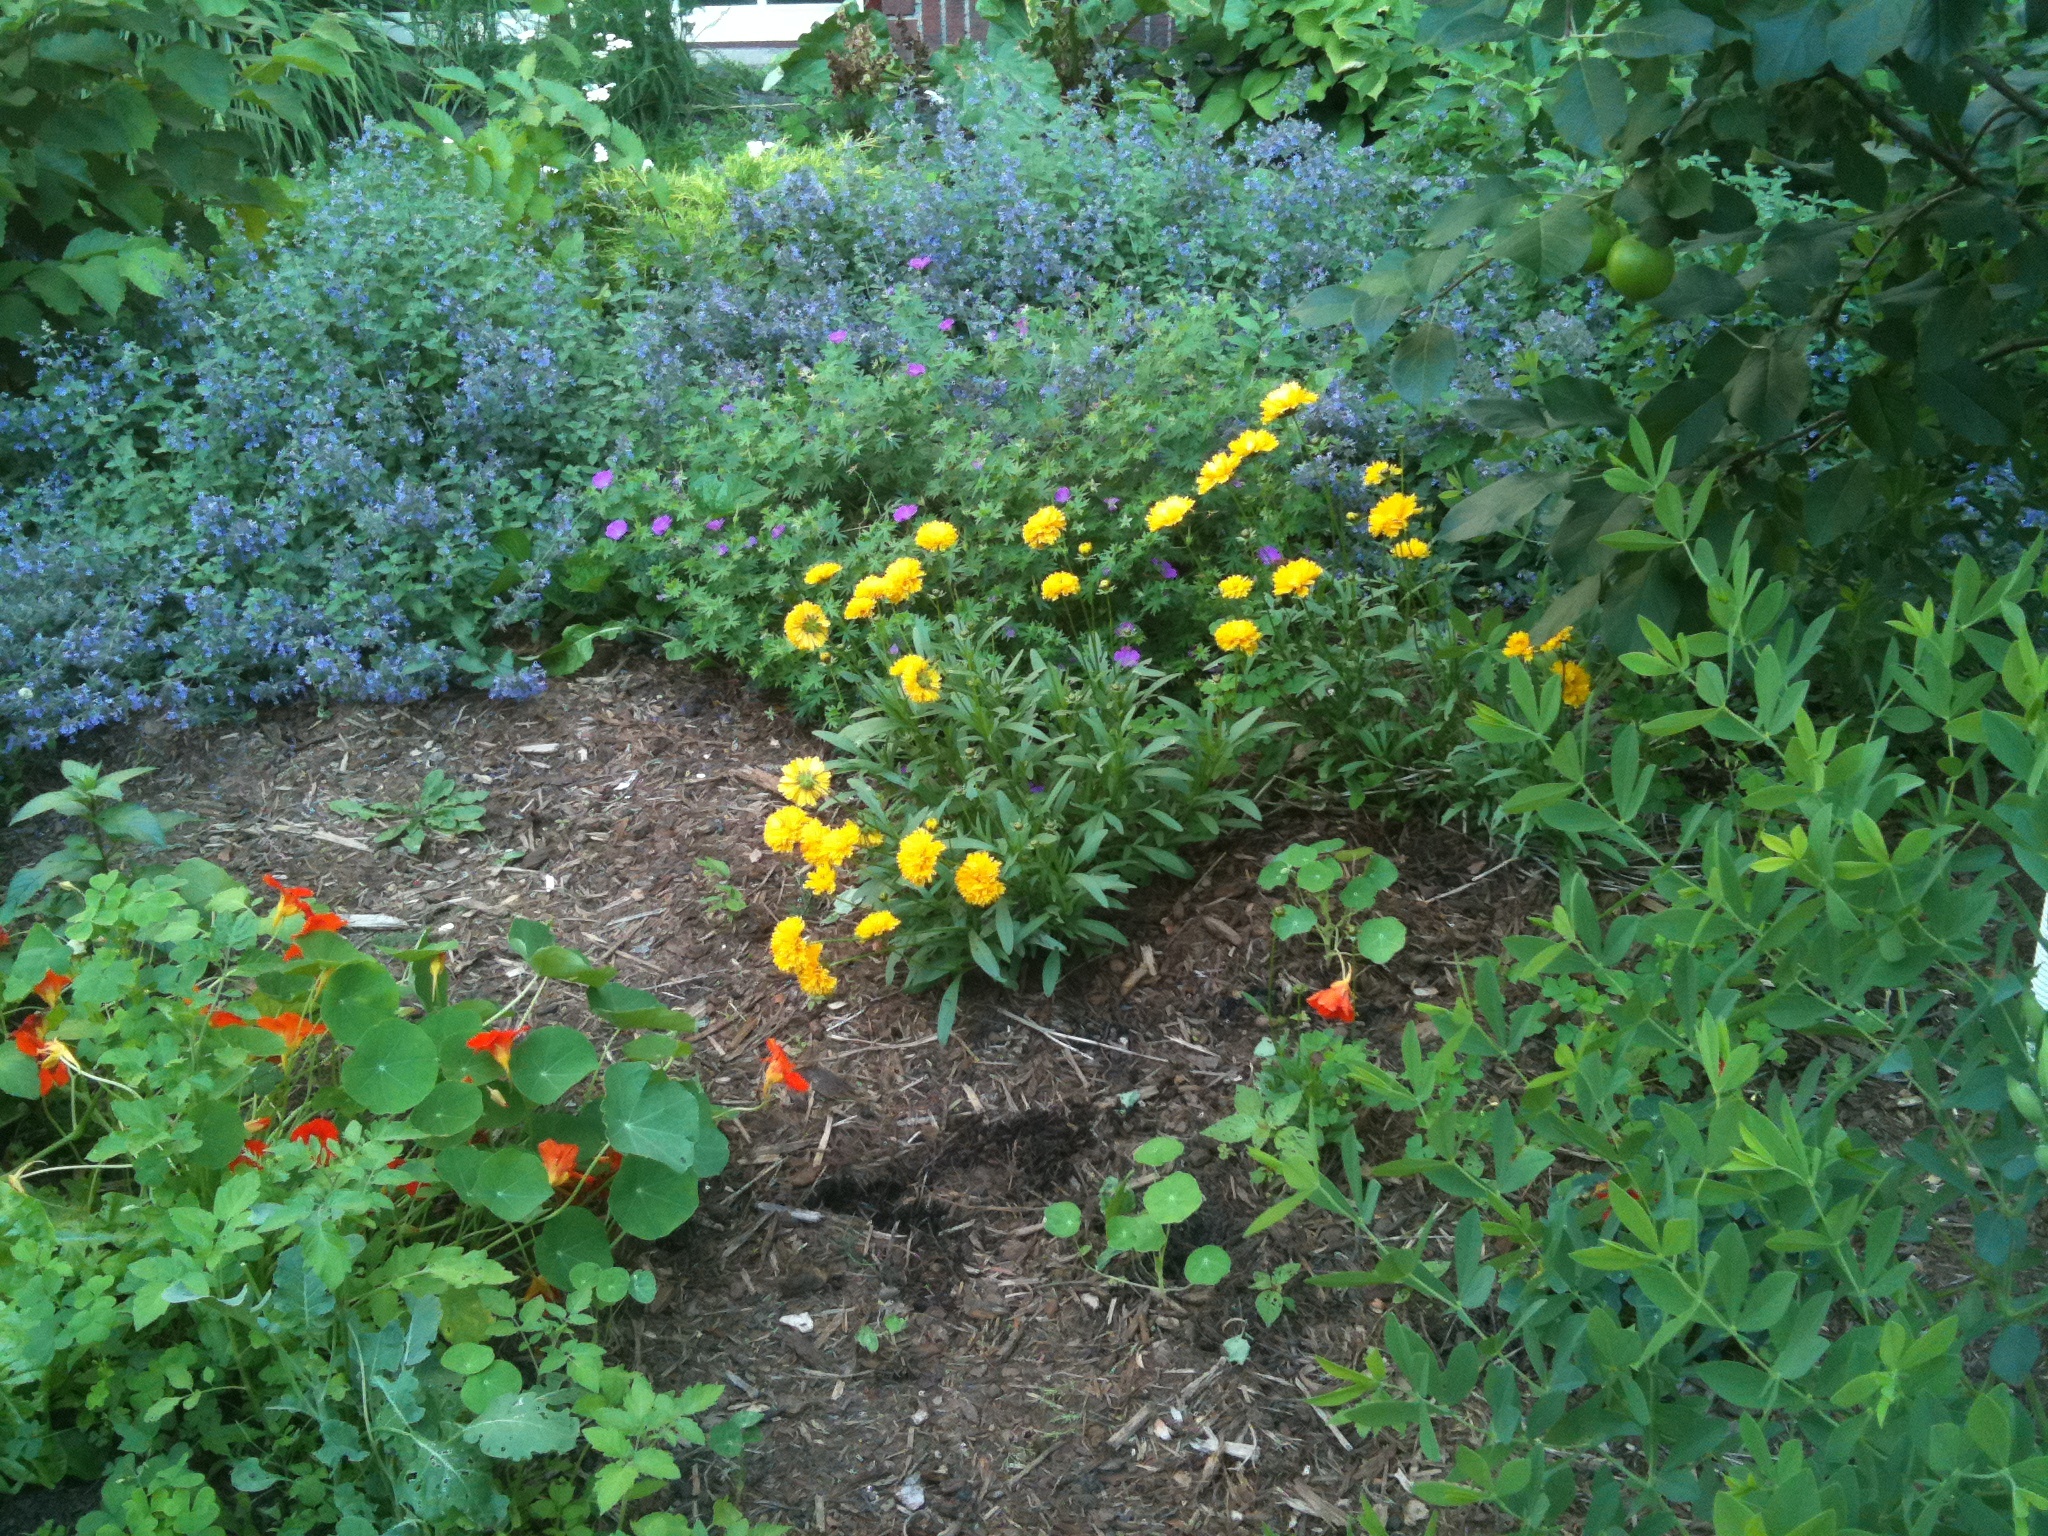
<point x="1554" y="243"/>
<point x="1174" y="1198"/>
<point x="393" y="1067"/>
<point x="1500" y="505"/>
<point x="573" y="1235"/>
<point x="1063" y="1219"/>
<point x="510" y="1183"/>
<point x="1382" y="938"/>
<point x="648" y="1115"/>
<point x="1589" y="105"/>
<point x="1424" y="364"/>
<point x="549" y="1062"/>
<point x="650" y="1200"/>
<point x="1207" y="1265"/>
<point x="520" y="1426"/>
<point x="1158" y="1152"/>
<point x="450" y="1110"/>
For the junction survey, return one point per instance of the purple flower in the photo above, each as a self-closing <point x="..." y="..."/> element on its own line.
<point x="919" y="263"/>
<point x="601" y="481"/>
<point x="892" y="650"/>
<point x="715" y="523"/>
<point x="1127" y="656"/>
<point x="836" y="338"/>
<point x="751" y="541"/>
<point x="1023" y="326"/>
<point x="915" y="370"/>
<point x="662" y="524"/>
<point x="728" y="408"/>
<point x="1112" y="502"/>
<point x="1063" y="495"/>
<point x="906" y="512"/>
<point x="1166" y="569"/>
<point x="1268" y="555"/>
<point x="778" y="530"/>
<point x="946" y="324"/>
<point x="617" y="529"/>
<point x="1127" y="628"/>
<point x="1036" y="789"/>
<point x="725" y="549"/>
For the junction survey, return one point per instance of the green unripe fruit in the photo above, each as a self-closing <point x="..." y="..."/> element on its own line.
<point x="1639" y="271"/>
<point x="2025" y="1100"/>
<point x="1604" y="235"/>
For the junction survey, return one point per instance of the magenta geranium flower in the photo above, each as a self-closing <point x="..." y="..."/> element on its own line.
<point x="915" y="370"/>
<point x="714" y="523"/>
<point x="1166" y="569"/>
<point x="837" y="338"/>
<point x="1127" y="656"/>
<point x="662" y="524"/>
<point x="906" y="512"/>
<point x="946" y="324"/>
<point x="919" y="263"/>
<point x="617" y="529"/>
<point x="601" y="481"/>
<point x="1063" y="495"/>
<point x="1268" y="555"/>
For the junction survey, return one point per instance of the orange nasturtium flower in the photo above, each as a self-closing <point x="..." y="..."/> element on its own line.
<point x="291" y="899"/>
<point x="251" y="1155"/>
<point x="53" y="1058"/>
<point x="51" y="987"/>
<point x="1334" y="1001"/>
<point x="559" y="1158"/>
<point x="497" y="1044"/>
<point x="322" y="1130"/>
<point x="293" y="1028"/>
<point x="782" y="1070"/>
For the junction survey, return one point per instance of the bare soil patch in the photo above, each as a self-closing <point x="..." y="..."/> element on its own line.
<point x="1026" y="1392"/>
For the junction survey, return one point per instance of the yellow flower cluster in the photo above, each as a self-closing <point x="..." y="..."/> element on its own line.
<point x="822" y="572"/>
<point x="1297" y="578"/>
<point x="1391" y="515"/>
<point x="917" y="856"/>
<point x="802" y="958"/>
<point x="1410" y="549"/>
<point x="920" y="679"/>
<point x="1216" y="470"/>
<point x="1235" y="587"/>
<point x="876" y="925"/>
<point x="1284" y="400"/>
<point x="806" y="781"/>
<point x="1058" y="585"/>
<point x="1379" y="472"/>
<point x="806" y="627"/>
<point x="903" y="580"/>
<point x="1253" y="440"/>
<point x="1044" y="528"/>
<point x="1168" y="512"/>
<point x="936" y="537"/>
<point x="1578" y="682"/>
<point x="979" y="879"/>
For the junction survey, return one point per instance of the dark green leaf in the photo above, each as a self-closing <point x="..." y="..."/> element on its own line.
<point x="1788" y="45"/>
<point x="1500" y="505"/>
<point x="1424" y="364"/>
<point x="549" y="1062"/>
<point x="393" y="1067"/>
<point x="650" y="1201"/>
<point x="511" y="1183"/>
<point x="1698" y="289"/>
<point x="1589" y="105"/>
<point x="1324" y="307"/>
<point x="572" y="1236"/>
<point x="648" y="1115"/>
<point x="1554" y="243"/>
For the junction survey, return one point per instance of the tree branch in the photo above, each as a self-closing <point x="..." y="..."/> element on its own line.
<point x="2008" y="90"/>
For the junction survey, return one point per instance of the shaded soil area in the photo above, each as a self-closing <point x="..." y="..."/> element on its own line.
<point x="1024" y="1390"/>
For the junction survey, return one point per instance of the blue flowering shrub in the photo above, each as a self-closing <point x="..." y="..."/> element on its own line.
<point x="313" y="469"/>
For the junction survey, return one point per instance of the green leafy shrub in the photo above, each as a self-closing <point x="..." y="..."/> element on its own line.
<point x="1685" y="1271"/>
<point x="1140" y="1212"/>
<point x="284" y="1248"/>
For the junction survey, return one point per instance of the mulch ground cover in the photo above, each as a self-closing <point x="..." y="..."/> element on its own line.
<point x="1026" y="1391"/>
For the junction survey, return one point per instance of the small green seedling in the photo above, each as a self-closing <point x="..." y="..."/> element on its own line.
<point x="1136" y="1216"/>
<point x="93" y="797"/>
<point x="1331" y="905"/>
<point x="443" y="807"/>
<point x="868" y="1339"/>
<point x="726" y="899"/>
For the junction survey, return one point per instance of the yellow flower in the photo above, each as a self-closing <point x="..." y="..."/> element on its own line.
<point x="785" y="828"/>
<point x="920" y="679"/>
<point x="1557" y="641"/>
<point x="1234" y="587"/>
<point x="937" y="537"/>
<point x="806" y="627"/>
<point x="1411" y="549"/>
<point x="814" y="979"/>
<point x="1253" y="440"/>
<point x="805" y="781"/>
<point x="823" y="571"/>
<point x="823" y="880"/>
<point x="902" y="581"/>
<point x="876" y="924"/>
<point x="1238" y="635"/>
<point x="1297" y="578"/>
<point x="1058" y="585"/>
<point x="1518" y="647"/>
<point x="1168" y="512"/>
<point x="1216" y="471"/>
<point x="1286" y="398"/>
<point x="979" y="879"/>
<point x="1088" y="548"/>
<point x="1042" y="529"/>
<point x="786" y="944"/>
<point x="829" y="846"/>
<point x="866" y="593"/>
<point x="1390" y="515"/>
<point x="917" y="857"/>
<point x="1578" y="682"/>
<point x="1379" y="472"/>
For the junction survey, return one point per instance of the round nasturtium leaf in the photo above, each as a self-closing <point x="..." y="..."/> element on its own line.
<point x="551" y="1061"/>
<point x="570" y="1237"/>
<point x="1174" y="1198"/>
<point x="393" y="1067"/>
<point x="1158" y="1152"/>
<point x="1063" y="1218"/>
<point x="468" y="1358"/>
<point x="651" y="1116"/>
<point x="649" y="1200"/>
<point x="1382" y="938"/>
<point x="357" y="998"/>
<point x="511" y="1184"/>
<point x="449" y="1110"/>
<point x="1134" y="1234"/>
<point x="458" y="1168"/>
<point x="1207" y="1265"/>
